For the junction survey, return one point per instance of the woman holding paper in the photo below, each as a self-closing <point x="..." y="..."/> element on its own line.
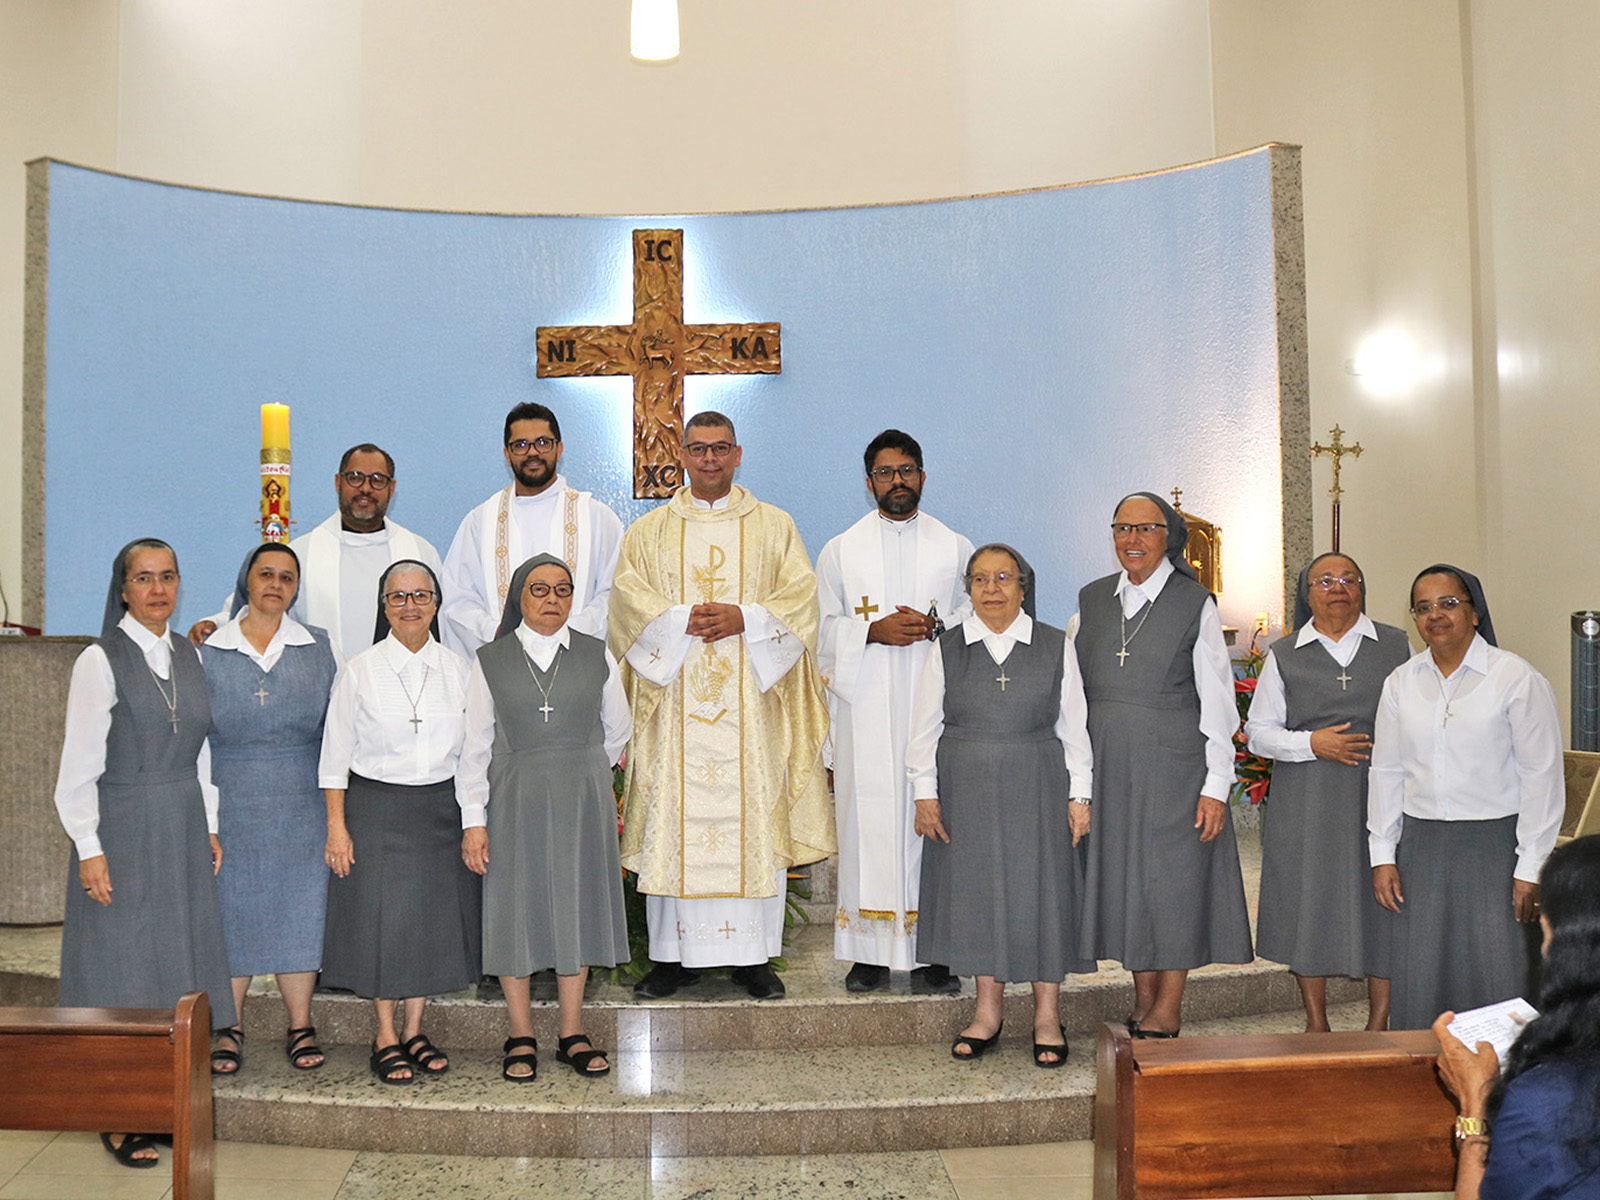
<point x="1465" y="799"/>
<point x="1543" y="1111"/>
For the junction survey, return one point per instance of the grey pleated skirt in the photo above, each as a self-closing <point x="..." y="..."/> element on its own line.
<point x="553" y="894"/>
<point x="1457" y="945"/>
<point x="1317" y="913"/>
<point x="405" y="921"/>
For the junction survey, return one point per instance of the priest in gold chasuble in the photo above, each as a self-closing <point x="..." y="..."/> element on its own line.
<point x="714" y="618"/>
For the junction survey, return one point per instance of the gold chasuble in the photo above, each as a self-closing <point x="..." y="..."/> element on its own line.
<point x="725" y="783"/>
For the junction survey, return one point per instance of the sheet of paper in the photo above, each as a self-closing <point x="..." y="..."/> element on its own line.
<point x="1498" y="1024"/>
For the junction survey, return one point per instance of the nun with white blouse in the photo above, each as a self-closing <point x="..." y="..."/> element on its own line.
<point x="142" y="925"/>
<point x="1465" y="801"/>
<point x="547" y="718"/>
<point x="403" y="919"/>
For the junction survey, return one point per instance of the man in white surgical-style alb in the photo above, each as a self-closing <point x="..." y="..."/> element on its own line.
<point x="537" y="513"/>
<point x="883" y="588"/>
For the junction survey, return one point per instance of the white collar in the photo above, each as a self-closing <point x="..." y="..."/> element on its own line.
<point x="557" y="487"/>
<point x="395" y="653"/>
<point x="351" y="537"/>
<point x="533" y="641"/>
<point x="1475" y="659"/>
<point x="1362" y="628"/>
<point x="1151" y="587"/>
<point x="142" y="637"/>
<point x="1020" y="630"/>
<point x="711" y="504"/>
<point x="899" y="526"/>
<point x="231" y="636"/>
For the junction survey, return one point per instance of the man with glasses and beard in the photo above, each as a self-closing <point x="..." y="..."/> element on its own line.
<point x="885" y="587"/>
<point x="539" y="512"/>
<point x="341" y="559"/>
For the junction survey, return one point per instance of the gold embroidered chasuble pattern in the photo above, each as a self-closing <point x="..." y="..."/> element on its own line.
<point x="725" y="782"/>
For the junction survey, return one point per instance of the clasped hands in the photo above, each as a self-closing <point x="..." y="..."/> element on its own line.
<point x="713" y="622"/>
<point x="903" y="627"/>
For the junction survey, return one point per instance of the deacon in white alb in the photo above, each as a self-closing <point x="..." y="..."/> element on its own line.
<point x="885" y="586"/>
<point x="537" y="513"/>
<point x="342" y="558"/>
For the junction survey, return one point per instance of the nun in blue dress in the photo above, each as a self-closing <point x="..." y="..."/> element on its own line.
<point x="269" y="677"/>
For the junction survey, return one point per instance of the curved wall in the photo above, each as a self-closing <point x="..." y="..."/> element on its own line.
<point x="1052" y="350"/>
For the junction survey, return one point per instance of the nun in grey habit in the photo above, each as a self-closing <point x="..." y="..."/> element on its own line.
<point x="1164" y="891"/>
<point x="547" y="718"/>
<point x="142" y="925"/>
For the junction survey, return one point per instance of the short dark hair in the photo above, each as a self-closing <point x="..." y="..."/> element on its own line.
<point x="529" y="411"/>
<point x="367" y="448"/>
<point x="710" y="419"/>
<point x="892" y="439"/>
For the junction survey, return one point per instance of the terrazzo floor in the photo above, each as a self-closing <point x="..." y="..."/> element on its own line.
<point x="72" y="1166"/>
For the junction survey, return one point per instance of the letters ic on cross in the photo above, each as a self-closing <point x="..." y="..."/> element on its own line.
<point x="658" y="350"/>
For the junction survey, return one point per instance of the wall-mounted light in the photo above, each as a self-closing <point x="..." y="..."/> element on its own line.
<point x="653" y="30"/>
<point x="1387" y="363"/>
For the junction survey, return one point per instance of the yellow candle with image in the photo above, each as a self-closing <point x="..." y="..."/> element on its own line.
<point x="275" y="460"/>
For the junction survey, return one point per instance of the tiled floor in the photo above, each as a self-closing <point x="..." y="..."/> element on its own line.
<point x="72" y="1166"/>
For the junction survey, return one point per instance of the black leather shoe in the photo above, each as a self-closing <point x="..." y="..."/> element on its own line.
<point x="865" y="977"/>
<point x="761" y="981"/>
<point x="664" y="979"/>
<point x="935" y="980"/>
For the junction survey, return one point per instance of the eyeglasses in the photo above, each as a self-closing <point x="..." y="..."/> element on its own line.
<point x="541" y="590"/>
<point x="377" y="479"/>
<point x="522" y="445"/>
<point x="906" y="471"/>
<point x="422" y="597"/>
<point x="1145" y="530"/>
<point x="715" y="449"/>
<point x="147" y="579"/>
<point x="1328" y="582"/>
<point x="999" y="579"/>
<point x="1444" y="603"/>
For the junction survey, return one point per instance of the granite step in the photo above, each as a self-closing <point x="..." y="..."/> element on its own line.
<point x="797" y="1101"/>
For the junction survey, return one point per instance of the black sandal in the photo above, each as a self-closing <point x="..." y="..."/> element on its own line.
<point x="132" y="1143"/>
<point x="579" y="1060"/>
<point x="224" y="1061"/>
<point x="976" y="1047"/>
<point x="1043" y="1048"/>
<point x="1140" y="1031"/>
<point x="424" y="1053"/>
<point x="388" y="1062"/>
<point x="511" y="1060"/>
<point x="300" y="1044"/>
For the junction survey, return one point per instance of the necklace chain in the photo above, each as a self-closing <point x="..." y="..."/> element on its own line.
<point x="1122" y="655"/>
<point x="416" y="720"/>
<point x="547" y="708"/>
<point x="172" y="704"/>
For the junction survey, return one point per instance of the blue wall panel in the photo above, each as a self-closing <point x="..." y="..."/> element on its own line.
<point x="1052" y="351"/>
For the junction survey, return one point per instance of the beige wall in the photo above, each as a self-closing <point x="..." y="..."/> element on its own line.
<point x="1450" y="177"/>
<point x="1373" y="92"/>
<point x="58" y="96"/>
<point x="1535" y="95"/>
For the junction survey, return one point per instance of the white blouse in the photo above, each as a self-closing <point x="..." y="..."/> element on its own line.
<point x="1482" y="744"/>
<point x="927" y="710"/>
<point x="91" y="696"/>
<point x="472" y="777"/>
<point x="1267" y="729"/>
<point x="289" y="633"/>
<point x="395" y="716"/>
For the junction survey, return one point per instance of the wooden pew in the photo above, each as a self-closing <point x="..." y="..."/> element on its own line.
<point x="140" y="1070"/>
<point x="1270" y="1115"/>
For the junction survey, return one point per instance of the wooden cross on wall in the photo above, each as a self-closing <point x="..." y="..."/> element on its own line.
<point x="658" y="350"/>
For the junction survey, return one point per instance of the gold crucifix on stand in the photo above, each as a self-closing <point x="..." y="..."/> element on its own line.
<point x="658" y="350"/>
<point x="1336" y="452"/>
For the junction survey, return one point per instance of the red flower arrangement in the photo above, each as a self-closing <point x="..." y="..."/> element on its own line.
<point x="1254" y="772"/>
